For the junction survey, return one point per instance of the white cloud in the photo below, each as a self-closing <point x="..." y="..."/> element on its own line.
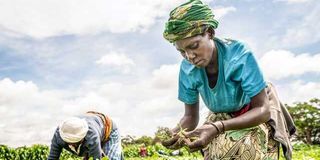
<point x="27" y="93"/>
<point x="22" y="107"/>
<point x="146" y="104"/>
<point x="45" y="18"/>
<point x="306" y="32"/>
<point x="293" y="1"/>
<point x="115" y="59"/>
<point x="166" y="76"/>
<point x="299" y="91"/>
<point x="222" y="11"/>
<point x="278" y="64"/>
<point x="301" y="32"/>
<point x="118" y="61"/>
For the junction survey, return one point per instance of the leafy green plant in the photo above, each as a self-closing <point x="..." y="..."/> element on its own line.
<point x="6" y="152"/>
<point x="163" y="133"/>
<point x="306" y="116"/>
<point x="40" y="152"/>
<point x="146" y="140"/>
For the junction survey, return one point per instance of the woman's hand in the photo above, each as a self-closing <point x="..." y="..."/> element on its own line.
<point x="200" y="137"/>
<point x="175" y="142"/>
<point x="187" y="123"/>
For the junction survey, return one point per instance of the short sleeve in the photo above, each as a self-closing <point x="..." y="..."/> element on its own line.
<point x="188" y="92"/>
<point x="248" y="73"/>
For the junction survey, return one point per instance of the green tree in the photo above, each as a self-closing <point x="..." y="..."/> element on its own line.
<point x="306" y="116"/>
<point x="127" y="140"/>
<point x="163" y="133"/>
<point x="144" y="140"/>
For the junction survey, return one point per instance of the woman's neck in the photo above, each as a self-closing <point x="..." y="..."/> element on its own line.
<point x="212" y="67"/>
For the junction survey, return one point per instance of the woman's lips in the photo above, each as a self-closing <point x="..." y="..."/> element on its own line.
<point x="198" y="62"/>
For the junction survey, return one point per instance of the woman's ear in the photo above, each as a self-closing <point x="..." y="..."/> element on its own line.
<point x="211" y="32"/>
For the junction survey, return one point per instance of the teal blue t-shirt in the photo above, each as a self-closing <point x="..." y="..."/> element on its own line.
<point x="239" y="79"/>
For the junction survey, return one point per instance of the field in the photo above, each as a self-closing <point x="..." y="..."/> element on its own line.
<point x="155" y="152"/>
<point x="301" y="152"/>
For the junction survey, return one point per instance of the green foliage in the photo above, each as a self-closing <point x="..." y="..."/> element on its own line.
<point x="131" y="151"/>
<point x="146" y="140"/>
<point x="304" y="152"/>
<point x="127" y="140"/>
<point x="40" y="152"/>
<point x="156" y="150"/>
<point x="306" y="116"/>
<point x="104" y="158"/>
<point x="6" y="152"/>
<point x="162" y="133"/>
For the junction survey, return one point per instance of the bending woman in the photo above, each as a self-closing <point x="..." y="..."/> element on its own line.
<point x="226" y="75"/>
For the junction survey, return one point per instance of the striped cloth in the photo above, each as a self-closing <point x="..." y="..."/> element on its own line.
<point x="112" y="148"/>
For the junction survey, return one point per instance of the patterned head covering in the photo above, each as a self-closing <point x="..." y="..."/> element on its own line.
<point x="189" y="19"/>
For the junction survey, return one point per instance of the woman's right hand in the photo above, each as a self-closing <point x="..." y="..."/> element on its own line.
<point x="174" y="142"/>
<point x="188" y="122"/>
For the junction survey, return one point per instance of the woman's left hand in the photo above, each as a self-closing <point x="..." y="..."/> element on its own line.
<point x="203" y="135"/>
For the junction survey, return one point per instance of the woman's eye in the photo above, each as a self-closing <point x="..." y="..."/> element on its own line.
<point x="194" y="46"/>
<point x="183" y="53"/>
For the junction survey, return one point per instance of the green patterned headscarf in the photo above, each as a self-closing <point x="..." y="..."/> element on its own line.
<point x="189" y="19"/>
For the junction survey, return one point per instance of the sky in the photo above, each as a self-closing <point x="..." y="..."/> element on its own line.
<point x="60" y="58"/>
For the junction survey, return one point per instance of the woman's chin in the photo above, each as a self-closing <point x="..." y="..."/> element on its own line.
<point x="201" y="64"/>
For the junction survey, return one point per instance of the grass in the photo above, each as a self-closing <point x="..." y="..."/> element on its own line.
<point x="306" y="152"/>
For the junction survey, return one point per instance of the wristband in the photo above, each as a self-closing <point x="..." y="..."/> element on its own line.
<point x="223" y="129"/>
<point x="213" y="124"/>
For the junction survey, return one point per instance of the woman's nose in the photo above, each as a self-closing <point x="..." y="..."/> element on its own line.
<point x="190" y="55"/>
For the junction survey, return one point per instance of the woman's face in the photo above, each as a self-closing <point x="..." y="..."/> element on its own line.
<point x="198" y="50"/>
<point x="76" y="144"/>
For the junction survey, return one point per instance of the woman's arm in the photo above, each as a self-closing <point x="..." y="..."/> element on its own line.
<point x="259" y="113"/>
<point x="55" y="147"/>
<point x="93" y="143"/>
<point x="190" y="118"/>
<point x="189" y="121"/>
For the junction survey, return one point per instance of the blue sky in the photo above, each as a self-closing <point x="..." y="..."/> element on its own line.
<point x="62" y="58"/>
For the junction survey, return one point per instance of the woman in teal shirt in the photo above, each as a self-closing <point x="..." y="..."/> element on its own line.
<point x="226" y="75"/>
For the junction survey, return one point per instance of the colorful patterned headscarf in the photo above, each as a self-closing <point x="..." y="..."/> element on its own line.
<point x="189" y="19"/>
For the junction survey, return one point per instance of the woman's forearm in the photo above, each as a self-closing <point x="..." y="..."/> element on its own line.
<point x="251" y="118"/>
<point x="190" y="119"/>
<point x="188" y="122"/>
<point x="258" y="114"/>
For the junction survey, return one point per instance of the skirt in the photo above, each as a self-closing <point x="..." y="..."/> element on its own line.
<point x="254" y="143"/>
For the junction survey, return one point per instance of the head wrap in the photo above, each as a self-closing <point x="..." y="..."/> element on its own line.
<point x="189" y="19"/>
<point x="73" y="129"/>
